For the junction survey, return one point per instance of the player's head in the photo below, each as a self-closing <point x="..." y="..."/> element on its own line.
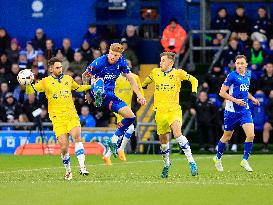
<point x="167" y="60"/>
<point x="55" y="66"/>
<point x="115" y="52"/>
<point x="241" y="64"/>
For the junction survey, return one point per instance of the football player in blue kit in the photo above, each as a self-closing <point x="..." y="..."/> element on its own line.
<point x="107" y="69"/>
<point x="235" y="91"/>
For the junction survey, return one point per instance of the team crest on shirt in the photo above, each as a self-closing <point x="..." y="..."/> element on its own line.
<point x="90" y="67"/>
<point x="171" y="77"/>
<point x="66" y="83"/>
<point x="55" y="96"/>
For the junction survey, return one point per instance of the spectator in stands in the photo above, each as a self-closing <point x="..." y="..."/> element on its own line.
<point x="49" y="50"/>
<point x="4" y="88"/>
<point x="66" y="50"/>
<point x="268" y="126"/>
<point x="4" y="62"/>
<point x="4" y="40"/>
<point x="19" y="94"/>
<point x="245" y="43"/>
<point x="86" y="51"/>
<point x="31" y="53"/>
<point x="22" y="119"/>
<point x="239" y="23"/>
<point x="44" y="115"/>
<point x="269" y="51"/>
<point x="207" y="120"/>
<point x="220" y="22"/>
<point x="2" y="74"/>
<point x="78" y="65"/>
<point x="102" y="117"/>
<point x="23" y="62"/>
<point x="80" y="96"/>
<point x="39" y="41"/>
<point x="92" y="36"/>
<point x="30" y="105"/>
<point x="132" y="38"/>
<point x="173" y="37"/>
<point x="10" y="119"/>
<point x="13" y="51"/>
<point x="130" y="54"/>
<point x="38" y="75"/>
<point x="103" y="47"/>
<point x="96" y="54"/>
<point x="214" y="79"/>
<point x="10" y="107"/>
<point x="65" y="62"/>
<point x="256" y="60"/>
<point x="87" y="120"/>
<point x="261" y="26"/>
<point x="40" y="62"/>
<point x="11" y="77"/>
<point x="230" y="54"/>
<point x="265" y="83"/>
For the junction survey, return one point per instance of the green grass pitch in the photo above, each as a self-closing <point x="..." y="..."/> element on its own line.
<point x="39" y="180"/>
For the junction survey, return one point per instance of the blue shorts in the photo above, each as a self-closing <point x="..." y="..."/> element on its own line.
<point x="111" y="101"/>
<point x="232" y="119"/>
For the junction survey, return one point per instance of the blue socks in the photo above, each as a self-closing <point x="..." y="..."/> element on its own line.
<point x="123" y="125"/>
<point x="221" y="149"/>
<point x="248" y="148"/>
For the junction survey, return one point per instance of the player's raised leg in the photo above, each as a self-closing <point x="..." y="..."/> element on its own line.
<point x="184" y="145"/>
<point x="249" y="131"/>
<point x="165" y="152"/>
<point x="64" y="143"/>
<point x="129" y="118"/>
<point x="221" y="146"/>
<point x="79" y="149"/>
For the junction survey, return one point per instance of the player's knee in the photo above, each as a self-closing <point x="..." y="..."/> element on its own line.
<point x="250" y="138"/>
<point x="131" y="120"/>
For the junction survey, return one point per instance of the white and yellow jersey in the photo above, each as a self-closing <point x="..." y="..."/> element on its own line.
<point x="58" y="93"/>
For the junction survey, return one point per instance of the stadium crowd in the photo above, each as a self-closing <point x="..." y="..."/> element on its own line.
<point x="251" y="38"/>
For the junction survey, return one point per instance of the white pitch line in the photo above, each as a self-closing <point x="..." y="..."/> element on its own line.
<point x="102" y="164"/>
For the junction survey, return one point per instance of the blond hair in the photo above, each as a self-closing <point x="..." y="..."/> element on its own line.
<point x="170" y="55"/>
<point x="117" y="47"/>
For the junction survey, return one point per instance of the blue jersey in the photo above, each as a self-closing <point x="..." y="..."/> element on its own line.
<point x="101" y="68"/>
<point x="238" y="88"/>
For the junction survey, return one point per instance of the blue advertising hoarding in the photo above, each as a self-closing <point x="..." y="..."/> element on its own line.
<point x="11" y="140"/>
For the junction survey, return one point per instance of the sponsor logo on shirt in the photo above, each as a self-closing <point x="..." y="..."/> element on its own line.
<point x="110" y="77"/>
<point x="244" y="87"/>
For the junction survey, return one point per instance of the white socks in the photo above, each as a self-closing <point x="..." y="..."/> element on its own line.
<point x="79" y="151"/>
<point x="127" y="136"/>
<point x="165" y="151"/>
<point x="66" y="161"/>
<point x="184" y="145"/>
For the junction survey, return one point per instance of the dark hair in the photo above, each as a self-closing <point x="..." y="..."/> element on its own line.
<point x="240" y="6"/>
<point x="240" y="56"/>
<point x="173" y="20"/>
<point x="53" y="60"/>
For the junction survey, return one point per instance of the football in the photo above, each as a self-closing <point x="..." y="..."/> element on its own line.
<point x="25" y="77"/>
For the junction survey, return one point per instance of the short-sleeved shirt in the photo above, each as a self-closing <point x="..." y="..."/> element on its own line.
<point x="238" y="88"/>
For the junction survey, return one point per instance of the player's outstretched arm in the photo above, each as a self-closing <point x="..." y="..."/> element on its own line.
<point x="37" y="87"/>
<point x="86" y="81"/>
<point x="185" y="76"/>
<point x="135" y="88"/>
<point x="224" y="94"/>
<point x="146" y="82"/>
<point x="254" y="100"/>
<point x="80" y="88"/>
